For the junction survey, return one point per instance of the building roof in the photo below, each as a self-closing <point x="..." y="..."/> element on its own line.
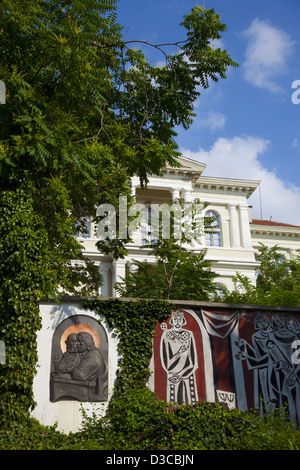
<point x="187" y="167"/>
<point x="194" y="170"/>
<point x="272" y="223"/>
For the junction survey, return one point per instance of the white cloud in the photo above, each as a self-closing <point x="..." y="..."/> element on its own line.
<point x="239" y="157"/>
<point x="295" y="143"/>
<point x="267" y="53"/>
<point x="212" y="121"/>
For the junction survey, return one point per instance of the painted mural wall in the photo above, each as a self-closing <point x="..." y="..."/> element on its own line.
<point x="243" y="359"/>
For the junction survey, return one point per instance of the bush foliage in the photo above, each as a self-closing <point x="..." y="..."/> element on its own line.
<point x="139" y="421"/>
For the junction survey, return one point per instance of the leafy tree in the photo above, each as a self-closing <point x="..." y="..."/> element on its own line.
<point x="277" y="282"/>
<point x="84" y="113"/>
<point x="178" y="272"/>
<point x="278" y="279"/>
<point x="273" y="270"/>
<point x="245" y="292"/>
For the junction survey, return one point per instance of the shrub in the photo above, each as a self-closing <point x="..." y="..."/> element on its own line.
<point x="139" y="421"/>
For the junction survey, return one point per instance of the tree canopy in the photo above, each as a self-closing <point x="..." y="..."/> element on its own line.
<point x="178" y="272"/>
<point x="85" y="111"/>
<point x="277" y="281"/>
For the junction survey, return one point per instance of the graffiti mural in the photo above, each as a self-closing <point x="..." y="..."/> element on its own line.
<point x="241" y="359"/>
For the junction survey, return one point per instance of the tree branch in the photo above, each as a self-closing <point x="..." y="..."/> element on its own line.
<point x="157" y="46"/>
<point x="102" y="128"/>
<point x="170" y="279"/>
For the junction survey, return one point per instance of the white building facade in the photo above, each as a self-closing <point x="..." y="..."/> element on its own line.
<point x="232" y="244"/>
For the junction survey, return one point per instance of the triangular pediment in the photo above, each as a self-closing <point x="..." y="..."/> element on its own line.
<point x="190" y="164"/>
<point x="187" y="165"/>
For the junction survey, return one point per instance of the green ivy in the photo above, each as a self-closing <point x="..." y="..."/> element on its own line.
<point x="25" y="273"/>
<point x="135" y="322"/>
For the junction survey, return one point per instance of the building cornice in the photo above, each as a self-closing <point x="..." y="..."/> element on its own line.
<point x="231" y="185"/>
<point x="274" y="229"/>
<point x="191" y="171"/>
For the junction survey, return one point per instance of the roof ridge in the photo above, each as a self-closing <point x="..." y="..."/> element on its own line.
<point x="272" y="222"/>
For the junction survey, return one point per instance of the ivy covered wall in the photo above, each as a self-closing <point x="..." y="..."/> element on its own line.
<point x="129" y="326"/>
<point x="186" y="351"/>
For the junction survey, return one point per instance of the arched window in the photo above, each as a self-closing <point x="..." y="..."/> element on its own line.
<point x="220" y="291"/>
<point x="213" y="233"/>
<point x="148" y="218"/>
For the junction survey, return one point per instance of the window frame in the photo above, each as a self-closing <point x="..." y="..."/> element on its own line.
<point x="214" y="230"/>
<point x="146" y="227"/>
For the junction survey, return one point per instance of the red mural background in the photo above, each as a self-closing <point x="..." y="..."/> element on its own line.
<point x="160" y="376"/>
<point x="218" y="335"/>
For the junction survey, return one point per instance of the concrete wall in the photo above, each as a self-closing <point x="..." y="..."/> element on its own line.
<point x="243" y="356"/>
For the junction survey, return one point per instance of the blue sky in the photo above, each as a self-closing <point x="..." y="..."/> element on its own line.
<point x="247" y="125"/>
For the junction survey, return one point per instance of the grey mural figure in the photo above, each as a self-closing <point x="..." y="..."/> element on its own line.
<point x="70" y="358"/>
<point x="179" y="360"/>
<point x="280" y="346"/>
<point x="91" y="363"/>
<point x="258" y="359"/>
<point x="81" y="373"/>
<point x="276" y="384"/>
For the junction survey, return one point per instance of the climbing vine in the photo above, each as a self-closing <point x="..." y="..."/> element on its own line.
<point x="26" y="274"/>
<point x="135" y="322"/>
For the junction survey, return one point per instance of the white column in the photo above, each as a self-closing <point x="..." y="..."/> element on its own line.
<point x="105" y="289"/>
<point x="245" y="226"/>
<point x="175" y="193"/>
<point x="187" y="195"/>
<point x="234" y="227"/>
<point x="119" y="272"/>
